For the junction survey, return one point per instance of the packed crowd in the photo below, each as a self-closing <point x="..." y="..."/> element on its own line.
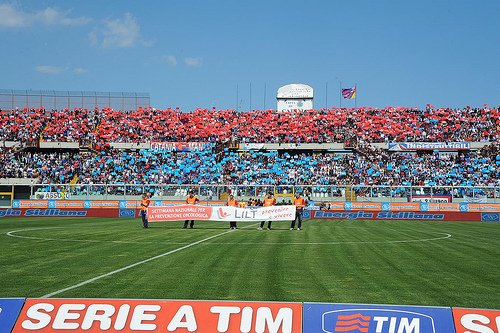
<point x="367" y="166"/>
<point x="99" y="127"/>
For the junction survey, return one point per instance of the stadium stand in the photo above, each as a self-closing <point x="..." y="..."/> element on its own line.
<point x="325" y="125"/>
<point x="365" y="166"/>
<point x="219" y="162"/>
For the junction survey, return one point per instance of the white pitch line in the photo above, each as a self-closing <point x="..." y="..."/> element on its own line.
<point x="12" y="234"/>
<point x="339" y="243"/>
<point x="133" y="265"/>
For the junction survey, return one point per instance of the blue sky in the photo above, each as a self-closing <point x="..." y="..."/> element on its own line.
<point x="194" y="53"/>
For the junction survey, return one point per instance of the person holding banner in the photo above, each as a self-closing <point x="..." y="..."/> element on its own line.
<point x="144" y="210"/>
<point x="191" y="200"/>
<point x="231" y="201"/>
<point x="299" y="202"/>
<point x="268" y="201"/>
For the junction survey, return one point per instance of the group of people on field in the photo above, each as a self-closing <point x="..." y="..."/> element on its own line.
<point x="298" y="201"/>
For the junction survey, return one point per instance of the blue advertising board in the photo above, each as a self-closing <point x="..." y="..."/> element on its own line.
<point x="128" y="213"/>
<point x="9" y="311"/>
<point x="355" y="318"/>
<point x="490" y="217"/>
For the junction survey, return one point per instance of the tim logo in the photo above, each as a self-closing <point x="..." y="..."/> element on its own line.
<point x="127" y="213"/>
<point x="490" y="217"/>
<point x="377" y="321"/>
<point x="222" y="214"/>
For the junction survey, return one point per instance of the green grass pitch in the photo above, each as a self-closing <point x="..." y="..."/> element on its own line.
<point x="382" y="262"/>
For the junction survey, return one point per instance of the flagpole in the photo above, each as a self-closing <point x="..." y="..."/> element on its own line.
<point x="250" y="97"/>
<point x="326" y="95"/>
<point x="265" y="86"/>
<point x="356" y="98"/>
<point x="340" y="95"/>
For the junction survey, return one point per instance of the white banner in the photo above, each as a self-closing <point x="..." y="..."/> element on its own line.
<point x="221" y="213"/>
<point x="50" y="196"/>
<point x="441" y="146"/>
<point x="252" y="214"/>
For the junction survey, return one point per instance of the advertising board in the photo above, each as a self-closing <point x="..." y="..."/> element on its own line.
<point x="476" y="320"/>
<point x="222" y="213"/>
<point x="9" y="311"/>
<point x="112" y="315"/>
<point x="365" y="318"/>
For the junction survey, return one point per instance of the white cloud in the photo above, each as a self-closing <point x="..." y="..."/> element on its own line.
<point x="171" y="60"/>
<point x="117" y="33"/>
<point x="49" y="69"/>
<point x="193" y="62"/>
<point x="14" y="17"/>
<point x="11" y="17"/>
<point x="80" y="71"/>
<point x="52" y="16"/>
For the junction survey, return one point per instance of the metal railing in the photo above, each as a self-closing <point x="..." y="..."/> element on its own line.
<point x="57" y="100"/>
<point x="360" y="193"/>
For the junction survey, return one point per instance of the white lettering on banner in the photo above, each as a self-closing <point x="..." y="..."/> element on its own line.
<point x="404" y="326"/>
<point x="101" y="316"/>
<point x="64" y="314"/>
<point x="140" y="316"/>
<point x="41" y="319"/>
<point x="225" y="313"/>
<point x="476" y="323"/>
<point x="98" y="313"/>
<point x="246" y="319"/>
<point x="121" y="318"/>
<point x="185" y="311"/>
<point x="265" y="318"/>
<point x="179" y="146"/>
<point x="442" y="146"/>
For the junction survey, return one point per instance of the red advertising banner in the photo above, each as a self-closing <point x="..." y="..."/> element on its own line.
<point x="377" y="206"/>
<point x="400" y="215"/>
<point x="476" y="321"/>
<point x="109" y="315"/>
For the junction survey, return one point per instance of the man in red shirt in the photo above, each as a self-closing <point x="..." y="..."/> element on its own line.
<point x="268" y="201"/>
<point x="299" y="202"/>
<point x="191" y="200"/>
<point x="231" y="201"/>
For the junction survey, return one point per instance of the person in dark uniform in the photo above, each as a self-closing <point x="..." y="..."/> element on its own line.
<point x="299" y="202"/>
<point x="231" y="201"/>
<point x="144" y="210"/>
<point x="191" y="200"/>
<point x="268" y="201"/>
